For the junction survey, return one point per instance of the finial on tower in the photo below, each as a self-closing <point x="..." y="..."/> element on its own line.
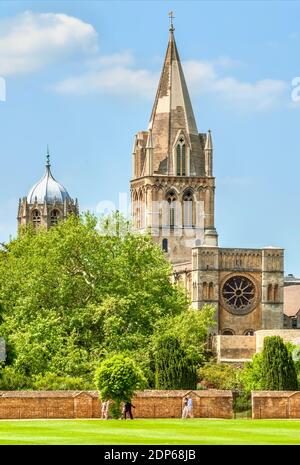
<point x="171" y="16"/>
<point x="48" y="156"/>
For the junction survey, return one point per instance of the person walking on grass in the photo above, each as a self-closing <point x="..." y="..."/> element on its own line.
<point x="127" y="410"/>
<point x="190" y="413"/>
<point x="184" y="408"/>
<point x="104" y="410"/>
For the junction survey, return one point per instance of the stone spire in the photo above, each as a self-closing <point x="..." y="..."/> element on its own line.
<point x="147" y="170"/>
<point x="172" y="116"/>
<point x="208" y="152"/>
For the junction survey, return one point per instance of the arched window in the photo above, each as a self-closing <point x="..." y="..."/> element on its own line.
<point x="204" y="291"/>
<point x="54" y="217"/>
<point x="181" y="157"/>
<point x="36" y="218"/>
<point x="165" y="245"/>
<point x="276" y="293"/>
<point x="249" y="332"/>
<point x="171" y="199"/>
<point x="188" y="209"/>
<point x="227" y="332"/>
<point x="211" y="291"/>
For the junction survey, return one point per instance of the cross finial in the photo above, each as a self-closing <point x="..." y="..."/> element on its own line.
<point x="171" y="16"/>
<point x="48" y="156"/>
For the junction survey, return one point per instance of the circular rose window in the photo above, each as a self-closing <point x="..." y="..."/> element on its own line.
<point x="239" y="295"/>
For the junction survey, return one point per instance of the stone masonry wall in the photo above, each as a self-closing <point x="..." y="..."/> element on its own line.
<point x="85" y="404"/>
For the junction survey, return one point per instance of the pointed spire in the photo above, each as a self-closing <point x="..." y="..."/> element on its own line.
<point x="208" y="149"/>
<point x="208" y="142"/>
<point x="148" y="165"/>
<point x="172" y="111"/>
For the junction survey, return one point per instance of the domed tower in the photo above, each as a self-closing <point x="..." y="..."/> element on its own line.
<point x="46" y="203"/>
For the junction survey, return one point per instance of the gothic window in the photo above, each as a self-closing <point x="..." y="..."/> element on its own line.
<point x="211" y="291"/>
<point x="36" y="218"/>
<point x="181" y="158"/>
<point x="188" y="209"/>
<point x="165" y="245"/>
<point x="171" y="199"/>
<point x="276" y="293"/>
<point x="204" y="292"/>
<point x="54" y="217"/>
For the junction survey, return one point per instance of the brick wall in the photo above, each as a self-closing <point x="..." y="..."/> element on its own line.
<point x="85" y="404"/>
<point x="275" y="404"/>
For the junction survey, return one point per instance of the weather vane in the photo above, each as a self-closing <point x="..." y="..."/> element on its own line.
<point x="171" y="16"/>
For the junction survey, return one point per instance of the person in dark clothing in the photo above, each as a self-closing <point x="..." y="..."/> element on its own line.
<point x="127" y="410"/>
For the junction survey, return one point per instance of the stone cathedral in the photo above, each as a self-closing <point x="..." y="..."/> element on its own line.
<point x="172" y="195"/>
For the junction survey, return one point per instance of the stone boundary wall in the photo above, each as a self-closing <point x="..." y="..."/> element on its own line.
<point x="234" y="348"/>
<point x="86" y="404"/>
<point x="275" y="404"/>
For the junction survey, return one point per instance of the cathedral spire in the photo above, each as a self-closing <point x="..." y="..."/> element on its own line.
<point x="172" y="113"/>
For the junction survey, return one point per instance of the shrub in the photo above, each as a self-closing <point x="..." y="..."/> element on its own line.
<point x="174" y="369"/>
<point x="219" y="376"/>
<point x="117" y="378"/>
<point x="278" y="369"/>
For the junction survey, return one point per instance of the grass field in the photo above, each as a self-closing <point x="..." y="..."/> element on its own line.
<point x="196" y="431"/>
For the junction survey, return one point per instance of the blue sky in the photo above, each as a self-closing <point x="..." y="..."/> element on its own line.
<point x="81" y="76"/>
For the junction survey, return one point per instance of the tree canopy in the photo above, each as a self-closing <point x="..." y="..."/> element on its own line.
<point x="81" y="291"/>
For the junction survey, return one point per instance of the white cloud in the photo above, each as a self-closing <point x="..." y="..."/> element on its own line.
<point x="118" y="80"/>
<point x="117" y="74"/>
<point x="202" y="78"/>
<point x="30" y="41"/>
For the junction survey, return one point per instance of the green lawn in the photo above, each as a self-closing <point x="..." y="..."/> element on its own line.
<point x="196" y="431"/>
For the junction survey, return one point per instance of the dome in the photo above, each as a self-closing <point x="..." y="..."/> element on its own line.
<point x="47" y="189"/>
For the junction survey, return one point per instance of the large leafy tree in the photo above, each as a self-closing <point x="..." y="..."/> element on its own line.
<point x="81" y="291"/>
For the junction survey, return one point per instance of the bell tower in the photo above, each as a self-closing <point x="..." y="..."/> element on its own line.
<point x="172" y="186"/>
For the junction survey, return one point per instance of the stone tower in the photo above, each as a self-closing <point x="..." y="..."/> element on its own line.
<point x="46" y="203"/>
<point x="172" y="186"/>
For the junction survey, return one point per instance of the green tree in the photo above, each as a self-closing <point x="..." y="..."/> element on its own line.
<point x="251" y="374"/>
<point x="174" y="368"/>
<point x="278" y="369"/>
<point x="220" y="376"/>
<point x="79" y="292"/>
<point x="117" y="379"/>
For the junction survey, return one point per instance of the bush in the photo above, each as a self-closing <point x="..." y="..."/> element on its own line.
<point x="53" y="382"/>
<point x="219" y="376"/>
<point x="11" y="380"/>
<point x="117" y="379"/>
<point x="174" y="369"/>
<point x="278" y="369"/>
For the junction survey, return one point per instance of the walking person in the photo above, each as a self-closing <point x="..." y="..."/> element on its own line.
<point x="190" y="413"/>
<point x="104" y="410"/>
<point x="184" y="407"/>
<point x="127" y="410"/>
